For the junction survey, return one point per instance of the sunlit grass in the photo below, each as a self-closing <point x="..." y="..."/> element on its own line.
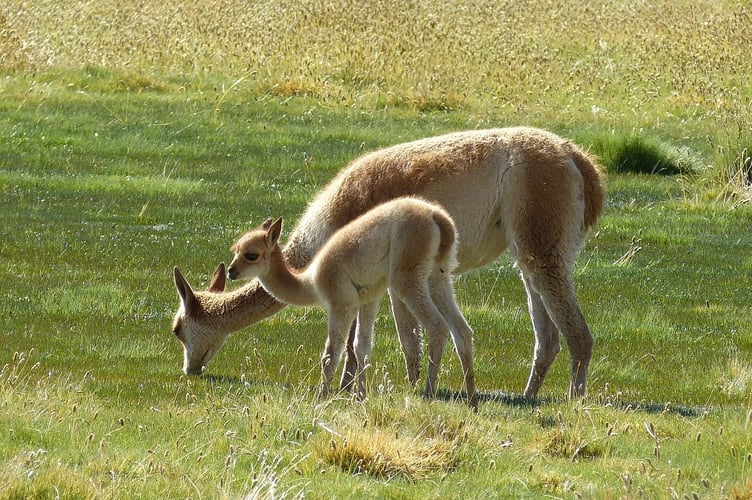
<point x="88" y="248"/>
<point x="668" y="103"/>
<point x="134" y="137"/>
<point x="614" y="64"/>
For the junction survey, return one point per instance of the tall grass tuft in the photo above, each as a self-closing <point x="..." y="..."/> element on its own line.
<point x="644" y="154"/>
<point x="266" y="476"/>
<point x="16" y="373"/>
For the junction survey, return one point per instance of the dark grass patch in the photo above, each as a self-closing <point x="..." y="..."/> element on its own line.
<point x="647" y="155"/>
<point x="623" y="152"/>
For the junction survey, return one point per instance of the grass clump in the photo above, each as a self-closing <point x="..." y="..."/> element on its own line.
<point x="384" y="455"/>
<point x="639" y="153"/>
<point x="563" y="443"/>
<point x="570" y="439"/>
<point x="742" y="491"/>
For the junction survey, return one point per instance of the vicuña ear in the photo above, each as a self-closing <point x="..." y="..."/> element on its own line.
<point x="267" y="224"/>
<point x="272" y="234"/>
<point x="219" y="279"/>
<point x="185" y="291"/>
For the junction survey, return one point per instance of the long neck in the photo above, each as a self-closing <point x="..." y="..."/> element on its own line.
<point x="290" y="287"/>
<point x="239" y="308"/>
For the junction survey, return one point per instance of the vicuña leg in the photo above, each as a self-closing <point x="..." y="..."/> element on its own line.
<point x="442" y="294"/>
<point x="418" y="299"/>
<point x="555" y="291"/>
<point x="338" y="326"/>
<point x="351" y="361"/>
<point x="409" y="333"/>
<point x="547" y="344"/>
<point x="363" y="343"/>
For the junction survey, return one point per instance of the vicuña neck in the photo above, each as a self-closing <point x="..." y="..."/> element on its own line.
<point x="235" y="310"/>
<point x="288" y="286"/>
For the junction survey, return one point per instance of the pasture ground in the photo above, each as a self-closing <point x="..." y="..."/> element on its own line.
<point x="117" y="164"/>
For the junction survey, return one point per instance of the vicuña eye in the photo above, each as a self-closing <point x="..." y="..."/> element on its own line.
<point x="251" y="257"/>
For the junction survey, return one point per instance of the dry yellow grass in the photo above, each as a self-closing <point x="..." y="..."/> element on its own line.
<point x="676" y="70"/>
<point x="386" y="455"/>
<point x="685" y="57"/>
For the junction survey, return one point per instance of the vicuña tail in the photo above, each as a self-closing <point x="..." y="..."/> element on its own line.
<point x="595" y="195"/>
<point x="446" y="257"/>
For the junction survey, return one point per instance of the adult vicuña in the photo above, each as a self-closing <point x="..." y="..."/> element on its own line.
<point x="520" y="188"/>
<point x="407" y="244"/>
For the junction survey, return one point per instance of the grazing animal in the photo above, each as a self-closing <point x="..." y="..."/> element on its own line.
<point x="520" y="188"/>
<point x="211" y="300"/>
<point x="406" y="244"/>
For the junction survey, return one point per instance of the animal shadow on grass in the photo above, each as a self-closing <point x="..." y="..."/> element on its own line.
<point x="518" y="400"/>
<point x="509" y="399"/>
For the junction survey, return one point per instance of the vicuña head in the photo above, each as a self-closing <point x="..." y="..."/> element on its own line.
<point x="204" y="313"/>
<point x="253" y="251"/>
<point x="198" y="349"/>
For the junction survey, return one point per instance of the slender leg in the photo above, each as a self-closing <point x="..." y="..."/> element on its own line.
<point x="338" y="325"/>
<point x="437" y="339"/>
<point x="417" y="297"/>
<point x="547" y="344"/>
<point x="552" y="288"/>
<point x="408" y="330"/>
<point x="351" y="362"/>
<point x="442" y="294"/>
<point x="364" y="343"/>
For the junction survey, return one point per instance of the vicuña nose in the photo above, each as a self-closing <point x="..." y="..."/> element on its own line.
<point x="232" y="273"/>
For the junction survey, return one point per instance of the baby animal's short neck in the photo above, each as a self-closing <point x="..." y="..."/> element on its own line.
<point x="287" y="286"/>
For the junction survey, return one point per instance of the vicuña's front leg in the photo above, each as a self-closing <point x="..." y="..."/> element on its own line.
<point x="338" y="326"/>
<point x="363" y="343"/>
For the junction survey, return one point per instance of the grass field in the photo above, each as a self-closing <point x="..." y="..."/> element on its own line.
<point x="135" y="136"/>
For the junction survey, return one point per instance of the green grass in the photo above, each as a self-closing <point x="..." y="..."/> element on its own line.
<point x="119" y="160"/>
<point x="98" y="211"/>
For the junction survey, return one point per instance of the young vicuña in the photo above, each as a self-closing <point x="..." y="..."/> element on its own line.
<point x="519" y="188"/>
<point x="406" y="244"/>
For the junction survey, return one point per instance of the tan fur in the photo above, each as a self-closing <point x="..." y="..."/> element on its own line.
<point x="521" y="188"/>
<point x="204" y="313"/>
<point x="406" y="244"/>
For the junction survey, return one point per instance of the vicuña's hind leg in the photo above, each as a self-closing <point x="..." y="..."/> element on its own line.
<point x="547" y="344"/>
<point x="462" y="335"/>
<point x="556" y="292"/>
<point x="408" y="330"/>
<point x="437" y="339"/>
<point x="417" y="297"/>
<point x="351" y="361"/>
